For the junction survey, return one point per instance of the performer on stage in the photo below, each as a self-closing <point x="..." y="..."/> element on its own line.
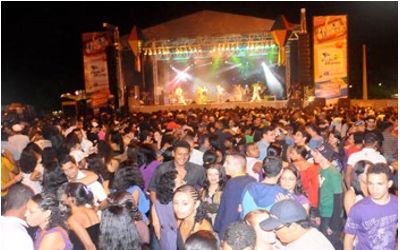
<point x="179" y="96"/>
<point x="220" y="94"/>
<point x="238" y="93"/>
<point x="256" y="92"/>
<point x="201" y="95"/>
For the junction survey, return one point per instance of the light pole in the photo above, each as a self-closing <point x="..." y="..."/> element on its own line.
<point x="118" y="63"/>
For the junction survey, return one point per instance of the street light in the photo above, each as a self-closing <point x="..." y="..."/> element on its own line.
<point x="118" y="62"/>
<point x="380" y="84"/>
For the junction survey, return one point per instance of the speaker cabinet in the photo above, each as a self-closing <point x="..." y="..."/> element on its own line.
<point x="295" y="103"/>
<point x="304" y="60"/>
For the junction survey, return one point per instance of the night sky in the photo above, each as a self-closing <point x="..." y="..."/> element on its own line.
<point x="42" y="54"/>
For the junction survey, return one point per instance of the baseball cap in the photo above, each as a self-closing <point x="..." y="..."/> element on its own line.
<point x="327" y="151"/>
<point x="283" y="212"/>
<point x="359" y="123"/>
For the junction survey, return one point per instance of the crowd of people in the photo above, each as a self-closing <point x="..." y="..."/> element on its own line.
<point x="261" y="178"/>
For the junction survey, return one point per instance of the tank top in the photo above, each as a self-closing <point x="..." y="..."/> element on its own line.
<point x="168" y="228"/>
<point x="39" y="237"/>
<point x="94" y="233"/>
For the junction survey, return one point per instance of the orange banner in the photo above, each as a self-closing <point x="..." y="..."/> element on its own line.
<point x="330" y="56"/>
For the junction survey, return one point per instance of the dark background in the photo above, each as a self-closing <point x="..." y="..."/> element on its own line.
<point x="42" y="54"/>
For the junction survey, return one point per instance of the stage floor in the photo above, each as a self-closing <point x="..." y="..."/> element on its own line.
<point x="214" y="105"/>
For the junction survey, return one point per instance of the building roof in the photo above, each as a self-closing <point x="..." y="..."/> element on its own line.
<point x="208" y="24"/>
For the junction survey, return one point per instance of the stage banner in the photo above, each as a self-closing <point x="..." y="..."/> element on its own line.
<point x="95" y="67"/>
<point x="330" y="56"/>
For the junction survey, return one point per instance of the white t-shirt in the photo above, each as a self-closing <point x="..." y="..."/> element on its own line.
<point x="196" y="157"/>
<point x="312" y="240"/>
<point x="368" y="154"/>
<point x="96" y="188"/>
<point x="250" y="161"/>
<point x="16" y="144"/>
<point x="13" y="234"/>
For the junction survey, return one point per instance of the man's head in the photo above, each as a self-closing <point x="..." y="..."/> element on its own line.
<point x="269" y="134"/>
<point x="358" y="137"/>
<point x="287" y="217"/>
<point x="359" y="126"/>
<point x="239" y="236"/>
<point x="323" y="154"/>
<point x="181" y="153"/>
<point x="272" y="166"/>
<point x="301" y="137"/>
<point x="234" y="164"/>
<point x="379" y="180"/>
<point x="69" y="167"/>
<point x="370" y="122"/>
<point x="252" y="150"/>
<point x="370" y="140"/>
<point x="17" y="197"/>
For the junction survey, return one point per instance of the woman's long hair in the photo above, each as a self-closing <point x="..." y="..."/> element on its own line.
<point x="59" y="212"/>
<point x="298" y="189"/>
<point x="222" y="177"/>
<point x="126" y="177"/>
<point x="117" y="227"/>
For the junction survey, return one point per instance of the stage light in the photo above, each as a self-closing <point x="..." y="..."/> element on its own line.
<point x="150" y="52"/>
<point x="274" y="85"/>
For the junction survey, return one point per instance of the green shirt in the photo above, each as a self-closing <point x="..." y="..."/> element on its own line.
<point x="330" y="182"/>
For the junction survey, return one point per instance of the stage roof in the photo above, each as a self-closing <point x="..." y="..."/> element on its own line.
<point x="207" y="24"/>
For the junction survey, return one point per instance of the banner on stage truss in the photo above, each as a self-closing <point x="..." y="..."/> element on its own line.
<point x="330" y="56"/>
<point x="95" y="67"/>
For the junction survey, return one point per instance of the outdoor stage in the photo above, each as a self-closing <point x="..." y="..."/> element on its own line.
<point x="133" y="107"/>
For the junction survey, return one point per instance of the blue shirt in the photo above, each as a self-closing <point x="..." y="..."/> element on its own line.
<point x="230" y="200"/>
<point x="262" y="146"/>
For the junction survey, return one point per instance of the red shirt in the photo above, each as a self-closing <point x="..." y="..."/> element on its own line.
<point x="310" y="182"/>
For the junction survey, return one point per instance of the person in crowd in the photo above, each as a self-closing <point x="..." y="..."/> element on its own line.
<point x="190" y="213"/>
<point x="268" y="137"/>
<point x="105" y="152"/>
<point x="32" y="173"/>
<point x="47" y="213"/>
<point x="354" y="144"/>
<point x="129" y="179"/>
<point x="17" y="141"/>
<point x="309" y="175"/>
<point x="262" y="195"/>
<point x="83" y="222"/>
<point x="188" y="173"/>
<point x="162" y="212"/>
<point x="253" y="163"/>
<point x="96" y="165"/>
<point x="209" y="158"/>
<point x="301" y="139"/>
<point x="53" y="177"/>
<point x="330" y="195"/>
<point x="292" y="226"/>
<point x="374" y="219"/>
<point x="390" y="143"/>
<point x="202" y="240"/>
<point x="196" y="156"/>
<point x="74" y="174"/>
<point x="10" y="174"/>
<point x="291" y="181"/>
<point x="12" y="223"/>
<point x="147" y="161"/>
<point x="264" y="240"/>
<point x="117" y="227"/>
<point x="239" y="236"/>
<point x="369" y="153"/>
<point x="358" y="189"/>
<point x="228" y="211"/>
<point x="335" y="141"/>
<point x="372" y="128"/>
<point x="212" y="190"/>
<point x="315" y="138"/>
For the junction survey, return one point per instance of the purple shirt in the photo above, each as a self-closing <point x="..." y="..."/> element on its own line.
<point x="147" y="172"/>
<point x="374" y="225"/>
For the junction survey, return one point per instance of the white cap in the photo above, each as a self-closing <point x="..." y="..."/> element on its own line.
<point x="17" y="127"/>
